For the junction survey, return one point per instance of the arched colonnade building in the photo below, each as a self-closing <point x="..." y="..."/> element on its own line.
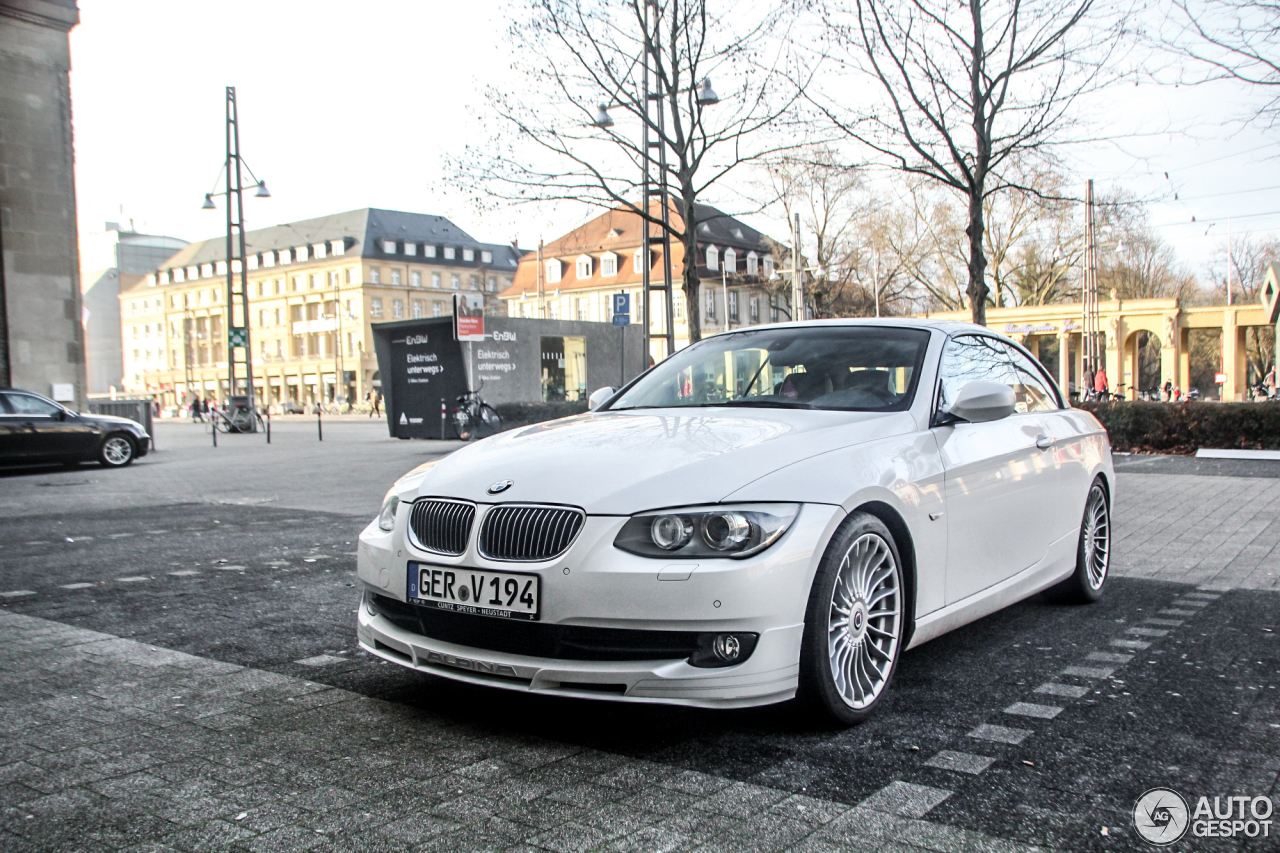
<point x="1130" y="356"/>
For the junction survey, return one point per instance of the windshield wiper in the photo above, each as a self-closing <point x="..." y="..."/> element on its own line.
<point x="765" y="404"/>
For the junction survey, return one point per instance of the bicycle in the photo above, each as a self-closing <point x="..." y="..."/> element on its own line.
<point x="474" y="418"/>
<point x="239" y="421"/>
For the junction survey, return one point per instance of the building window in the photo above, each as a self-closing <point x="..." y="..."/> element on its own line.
<point x="581" y="311"/>
<point x="277" y="286"/>
<point x="279" y="318"/>
<point x="389" y="247"/>
<point x="773" y="311"/>
<point x="553" y="309"/>
<point x="300" y="254"/>
<point x="730" y="261"/>
<point x="754" y="309"/>
<point x="475" y="283"/>
<point x="283" y="257"/>
<point x="375" y="307"/>
<point x="395" y="277"/>
<point x="351" y="275"/>
<point x="468" y="254"/>
<point x="493" y="283"/>
<point x="584" y="266"/>
<point x="419" y="309"/>
<point x="713" y="258"/>
<point x="411" y="249"/>
<point x="636" y="265"/>
<point x="262" y="317"/>
<point x="524" y="309"/>
<point x="450" y="253"/>
<point x="609" y="264"/>
<point x="753" y="263"/>
<point x="768" y="266"/>
<point x="296" y="283"/>
<point x="313" y="281"/>
<point x="486" y="257"/>
<point x="428" y="251"/>
<point x="206" y="270"/>
<point x="415" y="278"/>
<point x="318" y="251"/>
<point x="733" y="305"/>
<point x="435" y="279"/>
<point x="437" y="309"/>
<point x="455" y="281"/>
<point x="397" y="308"/>
<point x="711" y="305"/>
<point x="553" y="271"/>
<point x="375" y="276"/>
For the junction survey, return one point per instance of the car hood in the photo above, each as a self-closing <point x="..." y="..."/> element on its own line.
<point x="108" y="421"/>
<point x="625" y="462"/>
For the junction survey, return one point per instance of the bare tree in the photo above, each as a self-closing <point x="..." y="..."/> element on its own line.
<point x="972" y="91"/>
<point x="1248" y="260"/>
<point x="1231" y="40"/>
<point x="581" y="57"/>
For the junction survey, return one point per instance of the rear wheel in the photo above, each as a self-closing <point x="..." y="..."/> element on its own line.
<point x="1093" y="553"/>
<point x="117" y="450"/>
<point x="463" y="429"/>
<point x="490" y="421"/>
<point x="854" y="623"/>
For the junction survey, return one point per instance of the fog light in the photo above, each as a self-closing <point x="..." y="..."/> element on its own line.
<point x="727" y="647"/>
<point x="368" y="604"/>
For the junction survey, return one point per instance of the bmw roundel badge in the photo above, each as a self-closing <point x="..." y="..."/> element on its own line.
<point x="500" y="486"/>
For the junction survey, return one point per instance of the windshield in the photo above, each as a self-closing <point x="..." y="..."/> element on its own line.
<point x="848" y="368"/>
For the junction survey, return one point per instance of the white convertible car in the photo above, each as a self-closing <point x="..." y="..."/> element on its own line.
<point x="769" y="514"/>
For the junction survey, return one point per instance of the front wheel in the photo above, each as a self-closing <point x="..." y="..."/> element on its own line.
<point x="490" y="422"/>
<point x="854" y="623"/>
<point x="1093" y="552"/>
<point x="117" y="451"/>
<point x="463" y="429"/>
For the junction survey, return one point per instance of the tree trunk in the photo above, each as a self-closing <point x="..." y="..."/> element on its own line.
<point x="690" y="272"/>
<point x="977" y="289"/>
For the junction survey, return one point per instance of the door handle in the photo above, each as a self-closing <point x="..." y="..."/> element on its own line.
<point x="1044" y="442"/>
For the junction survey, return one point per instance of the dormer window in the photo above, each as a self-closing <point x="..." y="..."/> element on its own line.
<point x="486" y="257"/>
<point x="450" y="253"/>
<point x="753" y="263"/>
<point x="318" y="251"/>
<point x="615" y="232"/>
<point x="768" y="266"/>
<point x="705" y="228"/>
<point x="283" y="257"/>
<point x="468" y="254"/>
<point x="737" y="232"/>
<point x="253" y="262"/>
<point x="730" y="261"/>
<point x="584" y="265"/>
<point x="411" y="249"/>
<point x="713" y="258"/>
<point x="206" y="270"/>
<point x="608" y="264"/>
<point x="221" y="268"/>
<point x="428" y="251"/>
<point x="300" y="254"/>
<point x="637" y="265"/>
<point x="268" y="259"/>
<point x="553" y="271"/>
<point x="389" y="247"/>
<point x="337" y="247"/>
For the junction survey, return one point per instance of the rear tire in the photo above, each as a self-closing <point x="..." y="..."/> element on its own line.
<point x="853" y="631"/>
<point x="490" y="422"/>
<point x="117" y="451"/>
<point x="462" y="427"/>
<point x="1093" y="553"/>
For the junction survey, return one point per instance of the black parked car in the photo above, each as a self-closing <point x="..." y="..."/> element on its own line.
<point x="35" y="429"/>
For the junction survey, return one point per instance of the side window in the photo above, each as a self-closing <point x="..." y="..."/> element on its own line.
<point x="4" y="405"/>
<point x="1031" y="392"/>
<point x="971" y="358"/>
<point x="25" y="404"/>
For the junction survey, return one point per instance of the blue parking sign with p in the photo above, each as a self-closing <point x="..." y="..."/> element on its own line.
<point x="621" y="309"/>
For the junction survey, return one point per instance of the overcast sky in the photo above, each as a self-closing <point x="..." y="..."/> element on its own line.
<point x="346" y="105"/>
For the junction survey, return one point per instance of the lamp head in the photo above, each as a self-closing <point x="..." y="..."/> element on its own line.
<point x="603" y="119"/>
<point x="262" y="192"/>
<point x="208" y="202"/>
<point x="707" y="96"/>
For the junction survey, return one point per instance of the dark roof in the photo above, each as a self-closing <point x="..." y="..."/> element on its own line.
<point x="363" y="231"/>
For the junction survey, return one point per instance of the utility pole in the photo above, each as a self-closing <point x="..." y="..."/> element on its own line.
<point x="237" y="296"/>
<point x="1090" y="351"/>
<point x="655" y="187"/>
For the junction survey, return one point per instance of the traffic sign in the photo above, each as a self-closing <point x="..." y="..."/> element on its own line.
<point x="622" y="309"/>
<point x="237" y="336"/>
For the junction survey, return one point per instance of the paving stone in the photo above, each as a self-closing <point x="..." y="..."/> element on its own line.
<point x="906" y="799"/>
<point x="1109" y="657"/>
<point x="1136" y="645"/>
<point x="1070" y="691"/>
<point x="960" y="762"/>
<point x="1031" y="709"/>
<point x="1089" y="671"/>
<point x="1148" y="632"/>
<point x="1000" y="734"/>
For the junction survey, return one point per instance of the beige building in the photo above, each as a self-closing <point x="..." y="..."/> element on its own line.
<point x="1049" y="331"/>
<point x="580" y="272"/>
<point x="315" y="287"/>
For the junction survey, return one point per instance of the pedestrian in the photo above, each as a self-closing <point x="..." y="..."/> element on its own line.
<point x="1100" y="383"/>
<point x="1177" y="394"/>
<point x="1168" y="389"/>
<point x="376" y="399"/>
<point x="1086" y="384"/>
<point x="1270" y="383"/>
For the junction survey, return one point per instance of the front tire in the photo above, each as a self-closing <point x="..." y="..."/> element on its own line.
<point x="1093" y="552"/>
<point x="854" y="623"/>
<point x="117" y="451"/>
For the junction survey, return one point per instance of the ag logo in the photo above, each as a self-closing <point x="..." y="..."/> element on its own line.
<point x="500" y="486"/>
<point x="1161" y="816"/>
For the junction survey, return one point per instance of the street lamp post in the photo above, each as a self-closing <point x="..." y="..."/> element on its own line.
<point x="237" y="296"/>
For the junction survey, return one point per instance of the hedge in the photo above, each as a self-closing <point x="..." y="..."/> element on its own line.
<point x="1182" y="428"/>
<point x="520" y="414"/>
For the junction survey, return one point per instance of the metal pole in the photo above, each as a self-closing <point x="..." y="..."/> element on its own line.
<point x="231" y="279"/>
<point x="442" y="411"/>
<point x="646" y="166"/>
<point x="319" y="423"/>
<point x="797" y="286"/>
<point x="244" y="266"/>
<point x="268" y="426"/>
<point x="724" y="289"/>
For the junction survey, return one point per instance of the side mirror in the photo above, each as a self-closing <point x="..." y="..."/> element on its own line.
<point x="599" y="397"/>
<point x="980" y="402"/>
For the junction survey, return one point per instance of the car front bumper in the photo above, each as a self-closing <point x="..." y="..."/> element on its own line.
<point x="595" y="585"/>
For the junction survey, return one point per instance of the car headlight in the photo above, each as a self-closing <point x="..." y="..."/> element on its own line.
<point x="722" y="531"/>
<point x="387" y="515"/>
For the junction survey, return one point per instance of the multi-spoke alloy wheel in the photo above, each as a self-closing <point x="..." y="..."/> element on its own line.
<point x="854" y="624"/>
<point x="1093" y="553"/>
<point x="116" y="451"/>
<point x="1096" y="537"/>
<point x="864" y="622"/>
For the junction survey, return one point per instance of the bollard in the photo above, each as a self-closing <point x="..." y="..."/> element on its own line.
<point x="319" y="424"/>
<point x="442" y="407"/>
<point x="268" y="426"/>
<point x="213" y="428"/>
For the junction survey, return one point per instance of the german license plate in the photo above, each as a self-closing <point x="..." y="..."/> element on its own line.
<point x="507" y="595"/>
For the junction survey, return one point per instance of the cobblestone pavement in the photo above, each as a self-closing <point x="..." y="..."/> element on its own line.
<point x="113" y="744"/>
<point x="184" y="676"/>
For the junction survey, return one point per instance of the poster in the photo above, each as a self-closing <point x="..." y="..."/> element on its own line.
<point x="468" y="317"/>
